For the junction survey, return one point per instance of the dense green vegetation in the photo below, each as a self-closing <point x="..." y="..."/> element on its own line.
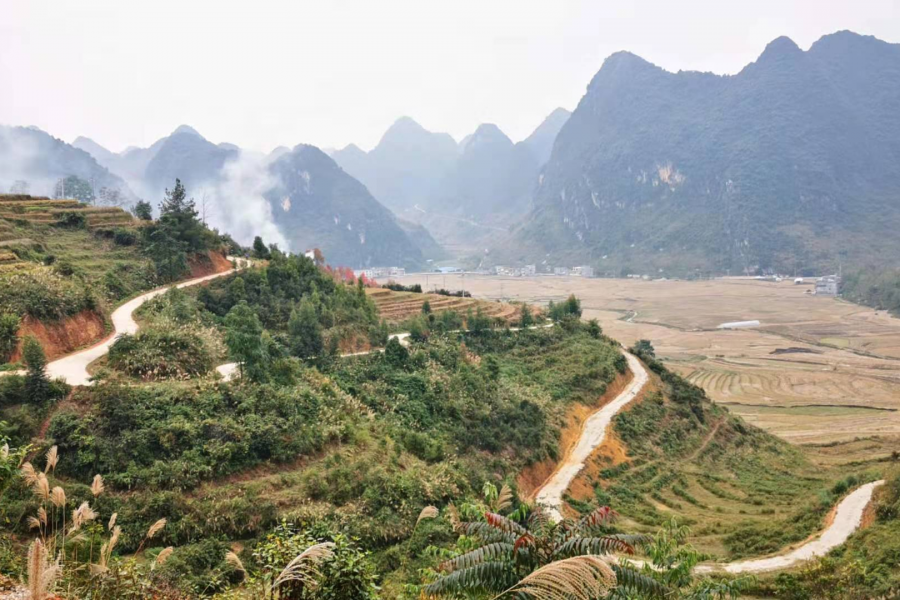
<point x="878" y="288"/>
<point x="69" y="265"/>
<point x="379" y="437"/>
<point x="217" y="485"/>
<point x="167" y="350"/>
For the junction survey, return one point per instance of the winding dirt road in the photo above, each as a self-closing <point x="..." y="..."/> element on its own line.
<point x="592" y="435"/>
<point x="73" y="367"/>
<point x="847" y="519"/>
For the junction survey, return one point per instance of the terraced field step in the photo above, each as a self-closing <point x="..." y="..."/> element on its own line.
<point x="38" y="210"/>
<point x="398" y="306"/>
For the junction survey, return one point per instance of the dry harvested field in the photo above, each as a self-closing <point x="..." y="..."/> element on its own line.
<point x="817" y="370"/>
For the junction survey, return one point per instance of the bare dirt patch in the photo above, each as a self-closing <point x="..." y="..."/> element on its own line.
<point x="532" y="478"/>
<point x="62" y="337"/>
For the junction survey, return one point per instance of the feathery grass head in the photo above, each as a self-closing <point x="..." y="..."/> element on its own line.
<point x="577" y="578"/>
<point x="164" y="555"/>
<point x="97" y="485"/>
<point x="58" y="497"/>
<point x="42" y="572"/>
<point x="112" y="521"/>
<point x="504" y="498"/>
<point x="429" y="512"/>
<point x="52" y="459"/>
<point x="155" y="528"/>
<point x="304" y="567"/>
<point x="234" y="560"/>
<point x="82" y="515"/>
<point x="42" y="487"/>
<point x="4" y="452"/>
<point x="28" y="473"/>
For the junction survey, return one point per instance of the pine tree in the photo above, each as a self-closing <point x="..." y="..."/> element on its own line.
<point x="305" y="332"/>
<point x="244" y="340"/>
<point x="525" y="318"/>
<point x="143" y="211"/>
<point x="260" y="250"/>
<point x="37" y="384"/>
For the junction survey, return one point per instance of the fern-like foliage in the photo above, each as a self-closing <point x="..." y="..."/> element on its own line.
<point x="495" y="552"/>
<point x="630" y="580"/>
<point x="580" y="546"/>
<point x="493" y="577"/>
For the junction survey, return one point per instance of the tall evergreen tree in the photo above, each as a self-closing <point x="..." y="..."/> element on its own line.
<point x="37" y="384"/>
<point x="305" y="331"/>
<point x="243" y="337"/>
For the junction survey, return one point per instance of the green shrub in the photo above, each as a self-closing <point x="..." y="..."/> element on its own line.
<point x="199" y="569"/>
<point x="166" y="350"/>
<point x="348" y="573"/>
<point x="9" y="330"/>
<point x="43" y="295"/>
<point x="124" y="237"/>
<point x="72" y="220"/>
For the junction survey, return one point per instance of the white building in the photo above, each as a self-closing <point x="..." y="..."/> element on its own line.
<point x="828" y="285"/>
<point x="582" y="271"/>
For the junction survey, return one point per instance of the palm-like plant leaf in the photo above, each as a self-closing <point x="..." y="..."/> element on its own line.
<point x="581" y="546"/>
<point x="486" y="533"/>
<point x="484" y="577"/>
<point x="603" y="515"/>
<point x="495" y="552"/>
<point x="629" y="579"/>
<point x="503" y="524"/>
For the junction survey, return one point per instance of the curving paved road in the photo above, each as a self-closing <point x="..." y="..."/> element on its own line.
<point x="847" y="519"/>
<point x="73" y="367"/>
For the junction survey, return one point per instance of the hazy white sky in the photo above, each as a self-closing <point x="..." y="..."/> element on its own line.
<point x="265" y="73"/>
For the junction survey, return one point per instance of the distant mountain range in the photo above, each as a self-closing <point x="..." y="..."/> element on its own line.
<point x="316" y="204"/>
<point x="297" y="197"/>
<point x="463" y="193"/>
<point x="34" y="158"/>
<point x="793" y="164"/>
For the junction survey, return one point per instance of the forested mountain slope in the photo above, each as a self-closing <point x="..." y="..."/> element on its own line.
<point x="790" y="164"/>
<point x="316" y="204"/>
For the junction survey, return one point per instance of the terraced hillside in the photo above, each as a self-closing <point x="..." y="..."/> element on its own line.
<point x="22" y="218"/>
<point x="40" y="210"/>
<point x="395" y="307"/>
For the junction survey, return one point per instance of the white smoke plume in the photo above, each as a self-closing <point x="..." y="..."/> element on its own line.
<point x="235" y="202"/>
